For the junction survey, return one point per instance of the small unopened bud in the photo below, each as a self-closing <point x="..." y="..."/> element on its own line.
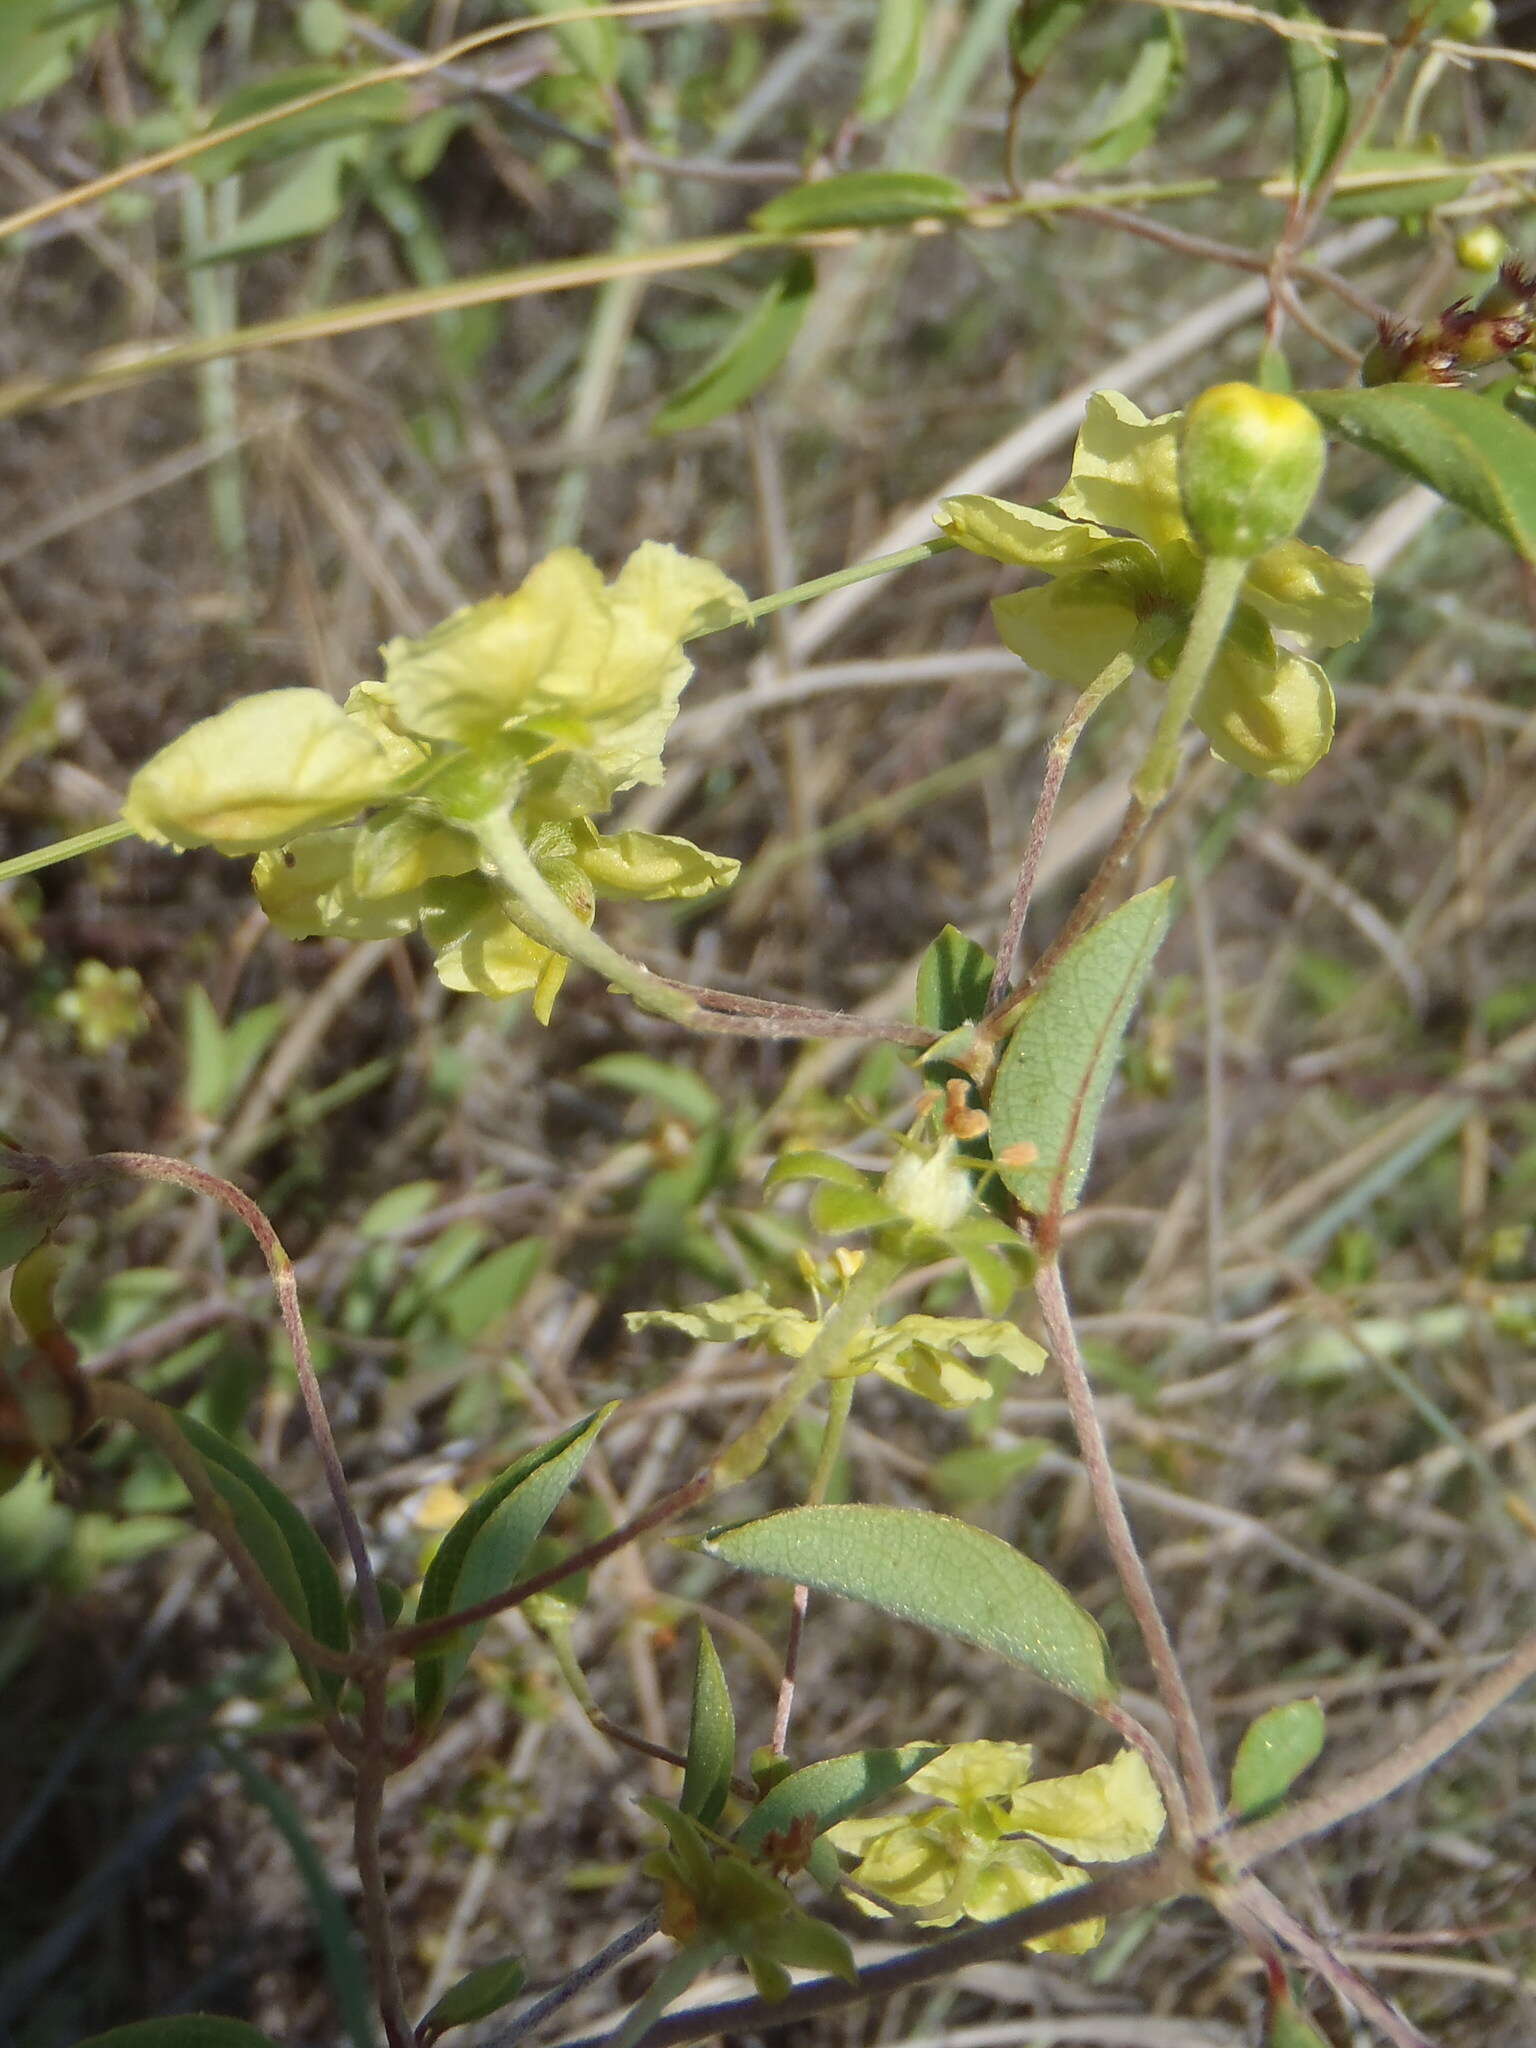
<point x="1250" y="462"/>
<point x="1482" y="248"/>
<point x="1023" y="1154"/>
<point x="960" y="1120"/>
<point x="1470" y="24"/>
<point x="846" y="1262"/>
<point x="929" y="1188"/>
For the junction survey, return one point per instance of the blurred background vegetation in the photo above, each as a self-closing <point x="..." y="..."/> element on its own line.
<point x="1306" y="1268"/>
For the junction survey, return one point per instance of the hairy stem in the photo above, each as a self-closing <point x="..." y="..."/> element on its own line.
<point x="1219" y="588"/>
<point x="1333" y="1970"/>
<point x="151" y="1166"/>
<point x="1101" y="688"/>
<point x="1205" y="1806"/>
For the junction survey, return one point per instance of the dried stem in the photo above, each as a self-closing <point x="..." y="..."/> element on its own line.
<point x="1333" y="1970"/>
<point x="606" y="1959"/>
<point x="1205" y="1806"/>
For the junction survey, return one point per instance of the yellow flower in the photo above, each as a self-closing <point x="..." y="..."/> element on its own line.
<point x="1122" y="561"/>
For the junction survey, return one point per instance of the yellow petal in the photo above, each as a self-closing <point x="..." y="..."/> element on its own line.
<point x="1270" y="716"/>
<point x="1021" y="534"/>
<point x="1125" y="471"/>
<point x="1306" y="591"/>
<point x="260" y="773"/>
<point x="1098" y="1816"/>
<point x="1071" y="629"/>
<point x="971" y="1771"/>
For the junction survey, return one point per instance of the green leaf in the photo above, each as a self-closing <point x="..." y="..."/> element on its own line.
<point x="1155" y="76"/>
<point x="475" y="1997"/>
<point x="291" y="1557"/>
<point x="835" y="1211"/>
<point x="40" y="41"/>
<point x="831" y="1790"/>
<point x="749" y="355"/>
<point x="678" y="1088"/>
<point x="860" y="199"/>
<point x="1056" y="1067"/>
<point x="895" y="52"/>
<point x="221" y="1058"/>
<point x="306" y="200"/>
<point x="1037" y="31"/>
<point x="1463" y="445"/>
<point x="938" y="1572"/>
<point x="386" y="104"/>
<point x="953" y="977"/>
<point x="481" y="1296"/>
<point x="182" y="2030"/>
<point x="1375" y="182"/>
<point x="484" y="1551"/>
<point x="1274" y="1751"/>
<point x="821" y="1166"/>
<point x="1319" y="100"/>
<point x="711" y="1739"/>
<point x="1289" y="2027"/>
<point x="592" y="46"/>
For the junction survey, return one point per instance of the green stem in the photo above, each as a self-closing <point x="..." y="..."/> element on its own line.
<point x="839" y="1402"/>
<point x="543" y="915"/>
<point x="65" y="849"/>
<point x="819" y="586"/>
<point x="1219" y="588"/>
<point x="841" y="1329"/>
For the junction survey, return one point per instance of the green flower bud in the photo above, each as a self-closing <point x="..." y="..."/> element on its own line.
<point x="1482" y="248"/>
<point x="1250" y="462"/>
<point x="1470" y="24"/>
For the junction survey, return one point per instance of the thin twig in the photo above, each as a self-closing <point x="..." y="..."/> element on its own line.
<point x="1333" y="1970"/>
<point x="839" y="1402"/>
<point x="405" y="1642"/>
<point x="367" y="1815"/>
<point x="1205" y="1806"/>
<point x="152" y="1166"/>
<point x="1059" y="754"/>
<point x="606" y="1959"/>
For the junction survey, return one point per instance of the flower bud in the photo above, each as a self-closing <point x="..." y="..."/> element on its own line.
<point x="931" y="1189"/>
<point x="1250" y="462"/>
<point x="1482" y="248"/>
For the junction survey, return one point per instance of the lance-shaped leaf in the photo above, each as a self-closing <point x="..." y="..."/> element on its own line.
<point x="290" y="1556"/>
<point x="833" y="1789"/>
<point x="1463" y="445"/>
<point x="1319" y="99"/>
<point x="1274" y="1751"/>
<point x="474" y="1997"/>
<point x="861" y="199"/>
<point x="484" y="1551"/>
<point x="895" y="51"/>
<point x="1037" y="30"/>
<point x="933" y="1570"/>
<point x="1056" y="1067"/>
<point x="1154" y="78"/>
<point x="711" y="1739"/>
<point x="749" y="356"/>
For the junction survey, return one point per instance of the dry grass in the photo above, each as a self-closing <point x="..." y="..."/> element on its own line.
<point x="1306" y="1268"/>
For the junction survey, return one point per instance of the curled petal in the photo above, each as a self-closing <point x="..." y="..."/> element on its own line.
<point x="1020" y="1874"/>
<point x="1021" y="534"/>
<point x="1103" y="1815"/>
<point x="650" y="866"/>
<point x="507" y="658"/>
<point x="306" y="890"/>
<point x="1308" y="592"/>
<point x="1071" y="629"/>
<point x="480" y="950"/>
<point x="258" y="774"/>
<point x="968" y="1771"/>
<point x="1125" y="471"/>
<point x="1270" y="717"/>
